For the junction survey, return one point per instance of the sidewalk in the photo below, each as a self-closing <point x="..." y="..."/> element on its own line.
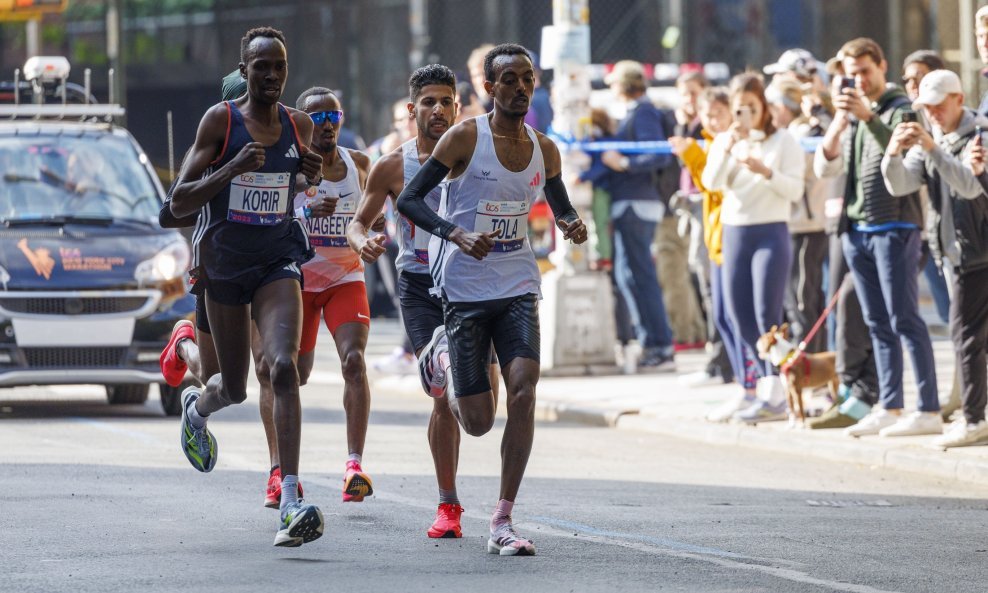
<point x="658" y="403"/>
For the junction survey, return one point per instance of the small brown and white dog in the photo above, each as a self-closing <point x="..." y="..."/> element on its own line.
<point x="805" y="372"/>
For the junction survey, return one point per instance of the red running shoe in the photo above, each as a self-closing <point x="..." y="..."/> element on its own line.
<point x="173" y="368"/>
<point x="272" y="498"/>
<point x="356" y="484"/>
<point x="447" y="523"/>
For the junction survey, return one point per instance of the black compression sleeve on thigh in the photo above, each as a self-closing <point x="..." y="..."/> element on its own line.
<point x="412" y="204"/>
<point x="555" y="194"/>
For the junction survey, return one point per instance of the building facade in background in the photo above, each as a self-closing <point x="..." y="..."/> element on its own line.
<point x="176" y="51"/>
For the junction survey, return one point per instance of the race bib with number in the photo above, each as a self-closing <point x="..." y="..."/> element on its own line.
<point x="259" y="198"/>
<point x="420" y="243"/>
<point x="331" y="230"/>
<point x="509" y="220"/>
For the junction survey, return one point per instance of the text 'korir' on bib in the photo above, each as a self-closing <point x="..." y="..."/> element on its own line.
<point x="259" y="198"/>
<point x="331" y="230"/>
<point x="509" y="220"/>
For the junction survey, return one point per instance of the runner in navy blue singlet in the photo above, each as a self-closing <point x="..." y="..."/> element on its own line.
<point x="241" y="174"/>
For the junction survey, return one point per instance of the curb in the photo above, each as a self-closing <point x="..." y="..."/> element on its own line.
<point x="906" y="454"/>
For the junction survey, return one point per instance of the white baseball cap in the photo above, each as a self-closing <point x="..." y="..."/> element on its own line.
<point x="935" y="87"/>
<point x="795" y="60"/>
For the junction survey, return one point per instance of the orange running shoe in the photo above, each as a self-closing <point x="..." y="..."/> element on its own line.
<point x="272" y="498"/>
<point x="356" y="484"/>
<point x="447" y="523"/>
<point x="173" y="368"/>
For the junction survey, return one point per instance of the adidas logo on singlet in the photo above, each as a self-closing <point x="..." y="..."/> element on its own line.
<point x="292" y="152"/>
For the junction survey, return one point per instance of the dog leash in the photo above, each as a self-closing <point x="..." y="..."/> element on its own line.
<point x="801" y="348"/>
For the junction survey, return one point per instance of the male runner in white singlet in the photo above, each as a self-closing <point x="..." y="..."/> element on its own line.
<point x="484" y="268"/>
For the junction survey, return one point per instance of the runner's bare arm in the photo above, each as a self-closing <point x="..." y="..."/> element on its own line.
<point x="311" y="164"/>
<point x="386" y="178"/>
<point x="193" y="190"/>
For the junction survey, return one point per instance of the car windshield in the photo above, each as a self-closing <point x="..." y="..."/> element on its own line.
<point x="64" y="177"/>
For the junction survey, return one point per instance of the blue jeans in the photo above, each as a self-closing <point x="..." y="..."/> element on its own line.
<point x="757" y="262"/>
<point x="735" y="348"/>
<point x="635" y="274"/>
<point x="884" y="266"/>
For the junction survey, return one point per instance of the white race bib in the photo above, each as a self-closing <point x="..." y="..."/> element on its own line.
<point x="331" y="230"/>
<point x="259" y="198"/>
<point x="420" y="243"/>
<point x="509" y="220"/>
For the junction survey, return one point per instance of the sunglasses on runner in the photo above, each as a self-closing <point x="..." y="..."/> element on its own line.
<point x="320" y="117"/>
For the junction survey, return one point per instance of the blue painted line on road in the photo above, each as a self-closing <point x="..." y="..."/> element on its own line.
<point x="658" y="541"/>
<point x="106" y="426"/>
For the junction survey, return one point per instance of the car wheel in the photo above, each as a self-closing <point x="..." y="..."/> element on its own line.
<point x="127" y="393"/>
<point x="171" y="397"/>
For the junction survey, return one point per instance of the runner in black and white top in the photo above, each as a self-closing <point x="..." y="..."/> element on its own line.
<point x="484" y="268"/>
<point x="241" y="174"/>
<point x="432" y="95"/>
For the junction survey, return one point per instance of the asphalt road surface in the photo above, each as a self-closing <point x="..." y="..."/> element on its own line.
<point x="94" y="498"/>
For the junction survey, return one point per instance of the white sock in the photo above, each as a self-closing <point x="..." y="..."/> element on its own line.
<point x="195" y="419"/>
<point x="289" y="490"/>
<point x="354" y="457"/>
<point x="502" y="514"/>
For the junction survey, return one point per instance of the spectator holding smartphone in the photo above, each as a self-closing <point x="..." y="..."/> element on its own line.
<point x="760" y="170"/>
<point x="959" y="235"/>
<point x="880" y="236"/>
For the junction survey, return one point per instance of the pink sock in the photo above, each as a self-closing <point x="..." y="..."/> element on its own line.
<point x="502" y="514"/>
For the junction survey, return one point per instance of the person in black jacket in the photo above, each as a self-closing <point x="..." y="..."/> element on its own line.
<point x="959" y="237"/>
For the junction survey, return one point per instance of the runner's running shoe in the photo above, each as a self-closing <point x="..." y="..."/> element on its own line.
<point x="447" y="523"/>
<point x="356" y="484"/>
<point x="431" y="372"/>
<point x="198" y="444"/>
<point x="173" y="368"/>
<point x="506" y="542"/>
<point x="272" y="497"/>
<point x="300" y="524"/>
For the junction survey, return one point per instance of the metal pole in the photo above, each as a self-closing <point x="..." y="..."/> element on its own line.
<point x="894" y="55"/>
<point x="418" y="14"/>
<point x="114" y="43"/>
<point x="966" y="33"/>
<point x="577" y="320"/>
<point x="171" y="148"/>
<point x="33" y="34"/>
<point x="677" y="54"/>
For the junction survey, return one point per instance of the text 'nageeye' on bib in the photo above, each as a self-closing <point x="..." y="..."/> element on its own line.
<point x="331" y="230"/>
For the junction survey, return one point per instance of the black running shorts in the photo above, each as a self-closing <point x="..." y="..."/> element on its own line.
<point x="421" y="312"/>
<point x="511" y="323"/>
<point x="240" y="290"/>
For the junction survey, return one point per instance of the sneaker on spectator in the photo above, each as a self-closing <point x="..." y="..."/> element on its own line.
<point x="655" y="360"/>
<point x="726" y="411"/>
<point x="700" y="379"/>
<point x="763" y="411"/>
<point x="832" y="418"/>
<point x="872" y="423"/>
<point x="914" y="424"/>
<point x="962" y="433"/>
<point x="399" y="363"/>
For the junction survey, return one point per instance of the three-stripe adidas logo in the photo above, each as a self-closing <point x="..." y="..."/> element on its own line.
<point x="292" y="152"/>
<point x="535" y="180"/>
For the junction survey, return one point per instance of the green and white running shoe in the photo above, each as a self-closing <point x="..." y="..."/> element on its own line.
<point x="300" y="524"/>
<point x="198" y="444"/>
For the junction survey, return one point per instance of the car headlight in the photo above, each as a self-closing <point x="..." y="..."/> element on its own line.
<point x="168" y="264"/>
